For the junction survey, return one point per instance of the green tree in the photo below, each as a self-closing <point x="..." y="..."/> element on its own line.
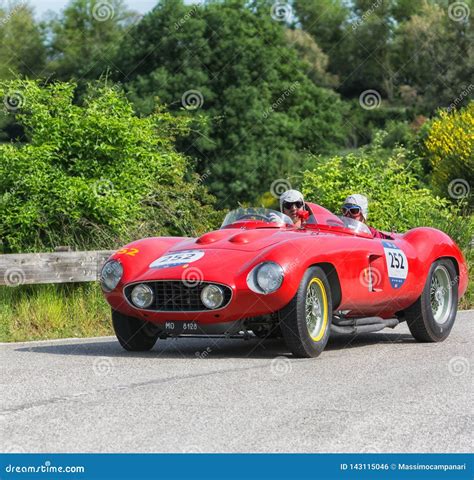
<point x="93" y="175"/>
<point x="85" y="38"/>
<point x="325" y="20"/>
<point x="434" y="55"/>
<point x="22" y="49"/>
<point x="316" y="60"/>
<point x="262" y="109"/>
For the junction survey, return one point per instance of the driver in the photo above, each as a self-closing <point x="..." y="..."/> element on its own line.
<point x="292" y="204"/>
<point x="356" y="206"/>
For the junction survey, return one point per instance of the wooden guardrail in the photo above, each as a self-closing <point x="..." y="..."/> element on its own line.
<point x="56" y="267"/>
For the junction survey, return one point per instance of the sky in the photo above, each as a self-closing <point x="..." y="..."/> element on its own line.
<point x="42" y="6"/>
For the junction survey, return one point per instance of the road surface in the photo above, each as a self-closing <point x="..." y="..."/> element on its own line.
<point x="379" y="392"/>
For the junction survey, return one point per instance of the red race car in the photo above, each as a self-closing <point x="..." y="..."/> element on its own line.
<point x="260" y="275"/>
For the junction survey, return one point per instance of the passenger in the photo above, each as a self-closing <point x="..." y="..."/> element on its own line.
<point x="292" y="204"/>
<point x="357" y="207"/>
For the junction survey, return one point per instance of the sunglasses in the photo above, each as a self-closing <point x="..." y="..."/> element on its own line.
<point x="288" y="205"/>
<point x="353" y="210"/>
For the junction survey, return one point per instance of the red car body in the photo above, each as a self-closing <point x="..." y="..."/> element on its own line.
<point x="367" y="276"/>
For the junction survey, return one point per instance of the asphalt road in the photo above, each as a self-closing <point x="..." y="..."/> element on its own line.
<point x="379" y="392"/>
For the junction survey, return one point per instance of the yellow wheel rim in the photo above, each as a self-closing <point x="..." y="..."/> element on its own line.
<point x="316" y="309"/>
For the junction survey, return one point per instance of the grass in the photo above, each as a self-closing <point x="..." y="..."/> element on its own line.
<point x="39" y="312"/>
<point x="467" y="301"/>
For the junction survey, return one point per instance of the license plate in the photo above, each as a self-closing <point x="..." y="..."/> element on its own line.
<point x="181" y="327"/>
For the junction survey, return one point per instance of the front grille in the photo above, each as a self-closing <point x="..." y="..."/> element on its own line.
<point x="176" y="296"/>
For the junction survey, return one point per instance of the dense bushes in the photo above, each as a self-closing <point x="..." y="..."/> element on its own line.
<point x="397" y="199"/>
<point x="450" y="145"/>
<point x="92" y="175"/>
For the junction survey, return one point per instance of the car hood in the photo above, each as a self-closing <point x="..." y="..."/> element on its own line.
<point x="212" y="256"/>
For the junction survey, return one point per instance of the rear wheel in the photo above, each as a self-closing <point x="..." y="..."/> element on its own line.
<point x="134" y="335"/>
<point x="305" y="322"/>
<point x="431" y="317"/>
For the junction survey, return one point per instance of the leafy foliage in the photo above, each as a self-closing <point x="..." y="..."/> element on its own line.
<point x="93" y="175"/>
<point x="441" y="62"/>
<point x="22" y="46"/>
<point x="396" y="197"/>
<point x="450" y="144"/>
<point x="86" y="37"/>
<point x="261" y="107"/>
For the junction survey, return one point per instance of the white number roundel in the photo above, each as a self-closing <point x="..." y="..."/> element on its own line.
<point x="177" y="258"/>
<point x="397" y="264"/>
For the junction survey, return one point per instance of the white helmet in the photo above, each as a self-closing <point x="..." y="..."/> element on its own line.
<point x="290" y="196"/>
<point x="359" y="200"/>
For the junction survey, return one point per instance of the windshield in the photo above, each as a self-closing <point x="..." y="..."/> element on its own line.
<point x="266" y="215"/>
<point x="355" y="225"/>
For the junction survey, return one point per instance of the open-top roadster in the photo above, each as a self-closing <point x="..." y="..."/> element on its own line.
<point x="260" y="274"/>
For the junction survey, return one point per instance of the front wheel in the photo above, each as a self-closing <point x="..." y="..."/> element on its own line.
<point x="133" y="334"/>
<point x="431" y="317"/>
<point x="305" y="322"/>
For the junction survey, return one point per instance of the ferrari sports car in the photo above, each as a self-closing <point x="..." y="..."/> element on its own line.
<point x="259" y="275"/>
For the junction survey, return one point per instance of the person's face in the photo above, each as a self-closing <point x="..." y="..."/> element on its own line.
<point x="292" y="208"/>
<point x="353" y="211"/>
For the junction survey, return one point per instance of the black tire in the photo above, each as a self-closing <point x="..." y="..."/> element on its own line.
<point x="134" y="335"/>
<point x="420" y="316"/>
<point x="293" y="322"/>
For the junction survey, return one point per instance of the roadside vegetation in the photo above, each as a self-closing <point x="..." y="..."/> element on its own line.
<point x="38" y="312"/>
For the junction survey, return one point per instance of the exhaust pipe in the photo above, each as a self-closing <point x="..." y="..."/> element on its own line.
<point x="363" y="325"/>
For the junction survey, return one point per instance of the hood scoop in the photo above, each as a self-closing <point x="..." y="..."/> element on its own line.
<point x="249" y="236"/>
<point x="234" y="239"/>
<point x="212" y="237"/>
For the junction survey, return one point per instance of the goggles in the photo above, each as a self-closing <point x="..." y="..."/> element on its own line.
<point x="352" y="209"/>
<point x="288" y="205"/>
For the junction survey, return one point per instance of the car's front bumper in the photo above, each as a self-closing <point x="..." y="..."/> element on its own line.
<point x="243" y="304"/>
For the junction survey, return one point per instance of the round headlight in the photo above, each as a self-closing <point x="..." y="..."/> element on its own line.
<point x="268" y="277"/>
<point x="212" y="296"/>
<point x="142" y="295"/>
<point x="110" y="275"/>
